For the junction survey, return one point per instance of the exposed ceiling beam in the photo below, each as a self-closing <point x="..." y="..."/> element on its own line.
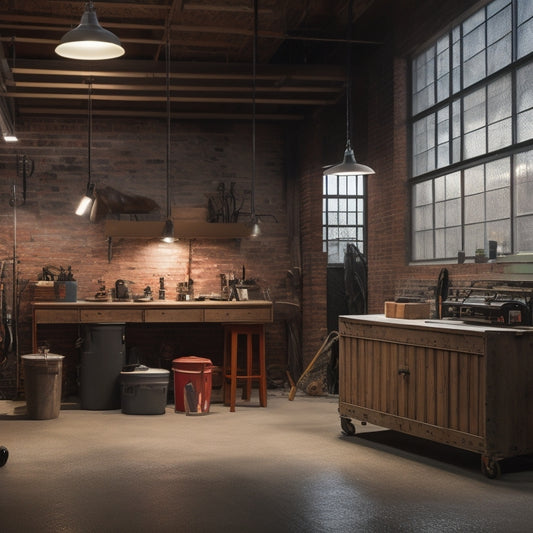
<point x="181" y="99"/>
<point x="173" y="88"/>
<point x="218" y="8"/>
<point x="327" y="73"/>
<point x="211" y="40"/>
<point x="180" y="28"/>
<point x="161" y="114"/>
<point x="111" y="5"/>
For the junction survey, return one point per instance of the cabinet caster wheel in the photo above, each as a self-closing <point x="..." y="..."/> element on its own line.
<point x="4" y="454"/>
<point x="347" y="427"/>
<point x="490" y="468"/>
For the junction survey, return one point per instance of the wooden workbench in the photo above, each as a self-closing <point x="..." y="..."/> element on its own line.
<point x="469" y="386"/>
<point x="157" y="311"/>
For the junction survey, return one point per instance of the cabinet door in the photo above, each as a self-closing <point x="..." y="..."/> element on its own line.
<point x="435" y="386"/>
<point x="443" y="388"/>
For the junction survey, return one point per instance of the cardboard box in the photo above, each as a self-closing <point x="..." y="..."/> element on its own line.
<point x="413" y="311"/>
<point x="390" y="309"/>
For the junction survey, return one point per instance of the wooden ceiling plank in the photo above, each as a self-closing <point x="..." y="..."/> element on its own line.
<point x="173" y="88"/>
<point x="332" y="75"/>
<point x="63" y="5"/>
<point x="23" y="22"/>
<point x="179" y="28"/>
<point x="160" y="114"/>
<point x="178" y="99"/>
<point x="217" y="8"/>
<point x="53" y="42"/>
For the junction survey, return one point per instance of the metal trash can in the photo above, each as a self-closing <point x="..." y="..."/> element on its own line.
<point x="144" y="391"/>
<point x="42" y="385"/>
<point x="102" y="358"/>
<point x="192" y="384"/>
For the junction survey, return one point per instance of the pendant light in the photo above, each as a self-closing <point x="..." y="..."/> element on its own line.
<point x="10" y="137"/>
<point x="349" y="166"/>
<point x="8" y="112"/>
<point x="88" y="197"/>
<point x="89" y="41"/>
<point x="168" y="230"/>
<point x="254" y="220"/>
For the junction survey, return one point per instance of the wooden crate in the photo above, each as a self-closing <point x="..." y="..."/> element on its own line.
<point x="43" y="292"/>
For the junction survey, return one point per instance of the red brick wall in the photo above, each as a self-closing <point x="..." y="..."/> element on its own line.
<point x="130" y="156"/>
<point x="388" y="152"/>
<point x="313" y="136"/>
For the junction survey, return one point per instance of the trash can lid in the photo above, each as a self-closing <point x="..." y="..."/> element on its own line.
<point x="148" y="372"/>
<point x="42" y="357"/>
<point x="191" y="360"/>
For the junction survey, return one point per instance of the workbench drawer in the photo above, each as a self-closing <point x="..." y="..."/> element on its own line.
<point x="250" y="316"/>
<point x="174" y="315"/>
<point x="111" y="315"/>
<point x="57" y="316"/>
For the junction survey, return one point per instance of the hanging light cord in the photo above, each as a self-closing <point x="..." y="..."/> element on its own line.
<point x="254" y="61"/>
<point x="13" y="67"/>
<point x="168" y="123"/>
<point x="348" y="74"/>
<point x="89" y="132"/>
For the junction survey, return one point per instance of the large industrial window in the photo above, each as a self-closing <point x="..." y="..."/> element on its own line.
<point x="343" y="215"/>
<point x="472" y="135"/>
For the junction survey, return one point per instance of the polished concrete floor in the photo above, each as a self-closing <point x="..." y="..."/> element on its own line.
<point x="284" y="468"/>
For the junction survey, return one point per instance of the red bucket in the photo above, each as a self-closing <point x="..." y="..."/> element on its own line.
<point x="192" y="384"/>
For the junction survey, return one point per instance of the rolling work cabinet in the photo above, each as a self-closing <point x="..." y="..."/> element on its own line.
<point x="468" y="386"/>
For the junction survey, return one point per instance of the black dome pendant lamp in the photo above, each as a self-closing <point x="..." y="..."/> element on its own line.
<point x="89" y="41"/>
<point x="349" y="166"/>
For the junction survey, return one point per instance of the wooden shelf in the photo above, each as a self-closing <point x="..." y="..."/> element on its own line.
<point x="132" y="229"/>
<point x="211" y="230"/>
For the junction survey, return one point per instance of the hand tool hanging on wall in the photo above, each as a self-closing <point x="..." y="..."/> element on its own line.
<point x="15" y="292"/>
<point x="223" y="207"/>
<point x="53" y="273"/>
<point x="25" y="168"/>
<point x="3" y="352"/>
<point x="355" y="280"/>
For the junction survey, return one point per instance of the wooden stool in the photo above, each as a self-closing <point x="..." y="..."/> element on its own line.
<point x="255" y="370"/>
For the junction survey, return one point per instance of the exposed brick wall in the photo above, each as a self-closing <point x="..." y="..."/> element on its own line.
<point x="314" y="260"/>
<point x="388" y="152"/>
<point x="130" y="156"/>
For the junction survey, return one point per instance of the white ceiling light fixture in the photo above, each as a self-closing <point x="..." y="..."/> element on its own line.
<point x="7" y="105"/>
<point x="10" y="138"/>
<point x="349" y="166"/>
<point x="89" y="41"/>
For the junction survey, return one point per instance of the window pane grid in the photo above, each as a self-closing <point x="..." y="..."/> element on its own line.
<point x="343" y="215"/>
<point x="479" y="115"/>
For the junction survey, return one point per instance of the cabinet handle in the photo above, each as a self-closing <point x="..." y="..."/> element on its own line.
<point x="404" y="372"/>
